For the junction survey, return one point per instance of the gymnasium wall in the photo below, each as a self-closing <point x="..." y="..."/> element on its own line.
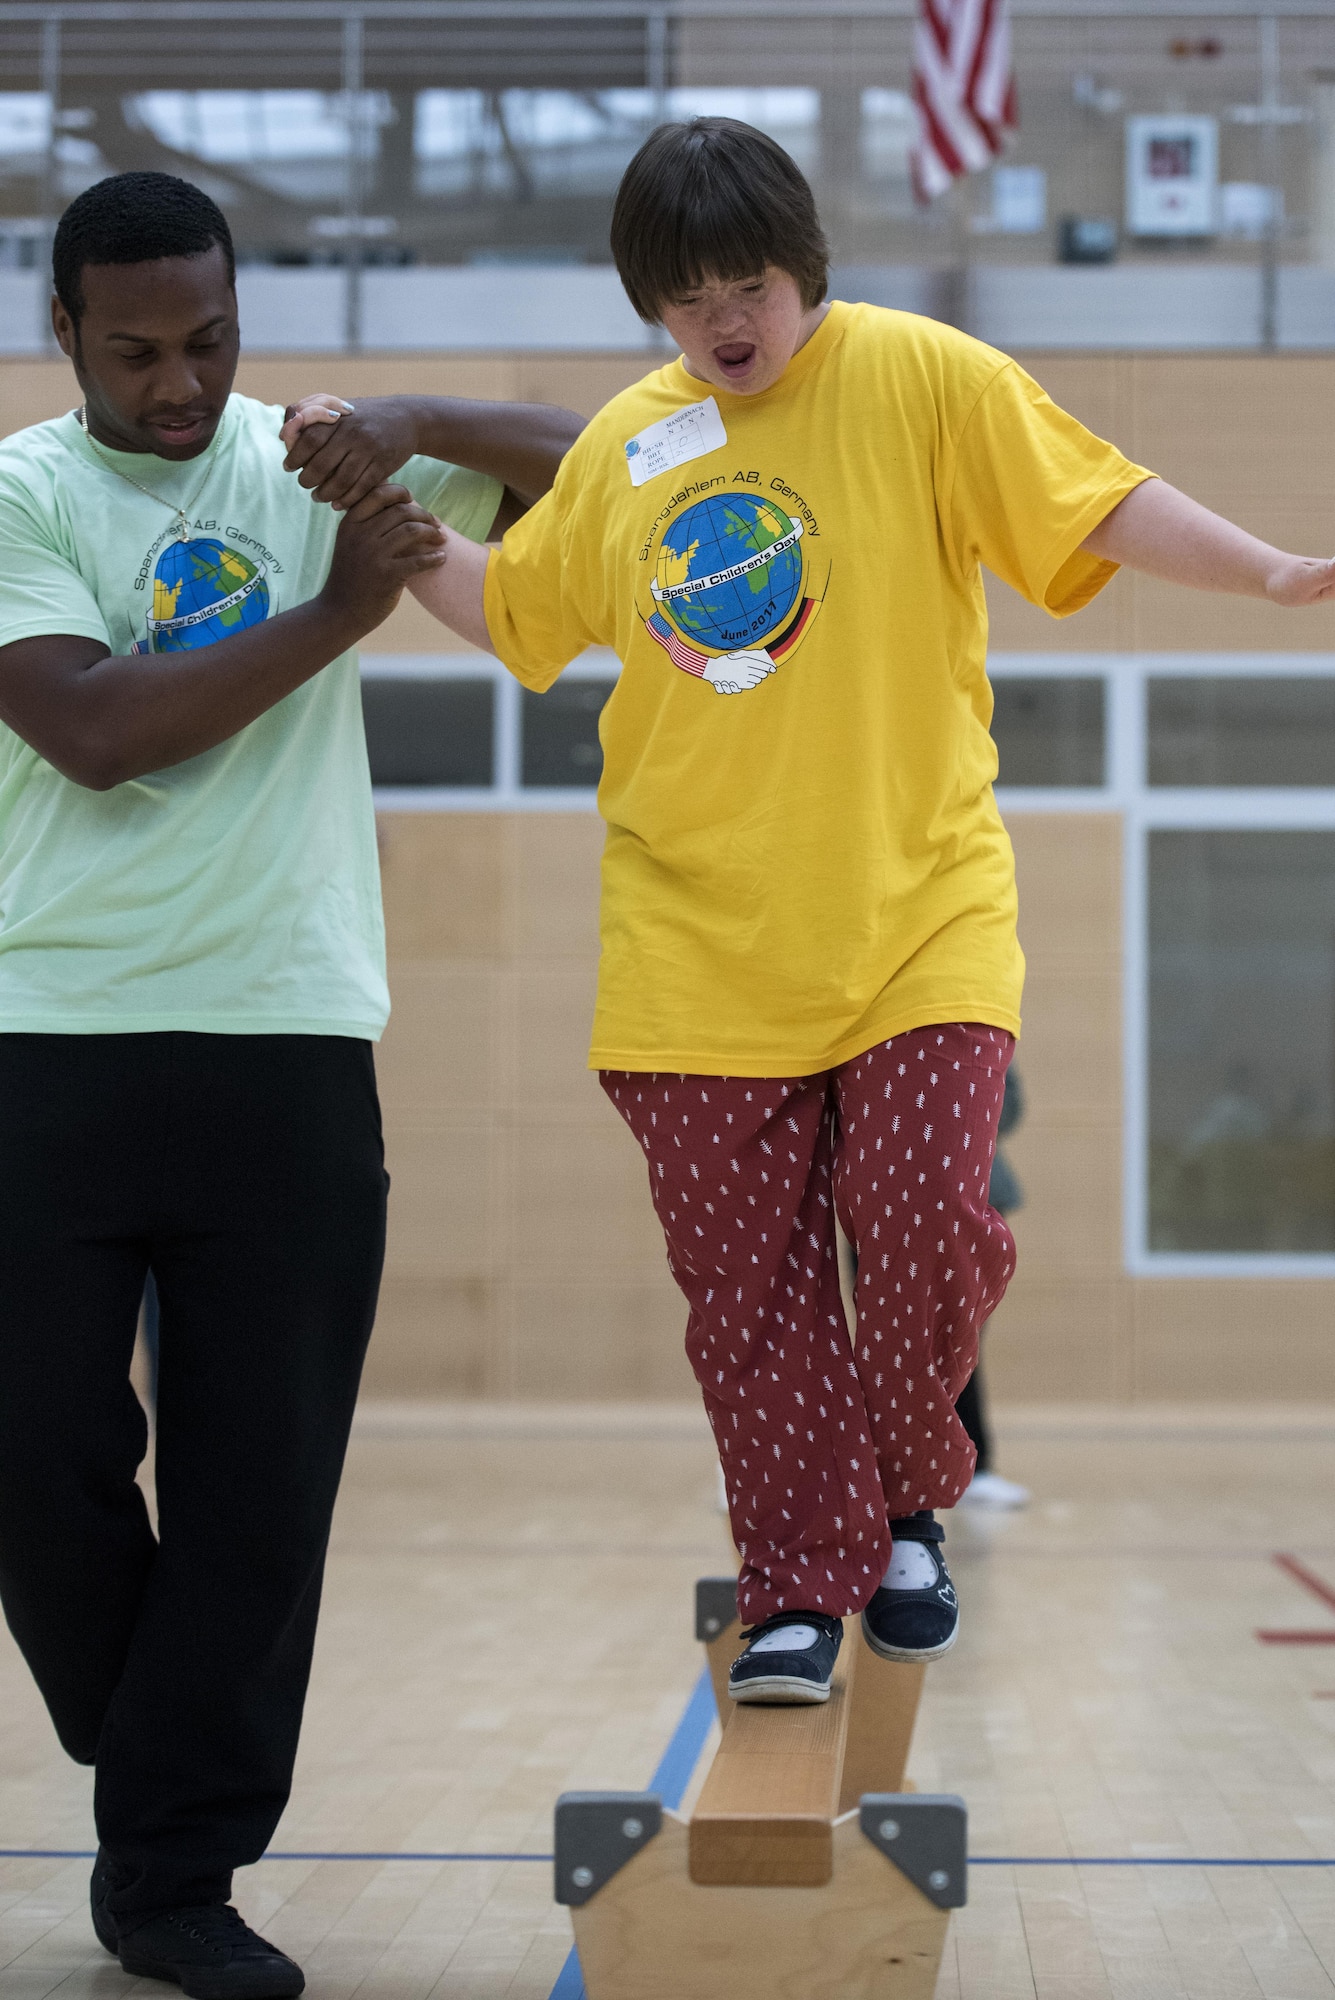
<point x="524" y="1260"/>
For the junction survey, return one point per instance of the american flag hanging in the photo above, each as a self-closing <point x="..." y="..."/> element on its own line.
<point x="964" y="89"/>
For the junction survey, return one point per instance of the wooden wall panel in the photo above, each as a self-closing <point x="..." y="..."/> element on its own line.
<point x="1251" y="436"/>
<point x="1063" y="1331"/>
<point x="32" y="391"/>
<point x="1243" y="1340"/>
<point x="524" y="1257"/>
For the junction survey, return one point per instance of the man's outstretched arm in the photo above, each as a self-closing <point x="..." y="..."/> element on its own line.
<point x="521" y="444"/>
<point x="1167" y="534"/>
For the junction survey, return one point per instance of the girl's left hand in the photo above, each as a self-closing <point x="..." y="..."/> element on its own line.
<point x="320" y="408"/>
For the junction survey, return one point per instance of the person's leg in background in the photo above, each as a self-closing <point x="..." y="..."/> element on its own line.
<point x="988" y="1489"/>
<point x="971" y="1410"/>
<point x="917" y="1121"/>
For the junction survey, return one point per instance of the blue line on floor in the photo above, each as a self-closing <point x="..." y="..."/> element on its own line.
<point x="975" y="1860"/>
<point x="669" y="1781"/>
<point x="1146" y="1861"/>
<point x="688" y="1740"/>
<point x="292" y="1854"/>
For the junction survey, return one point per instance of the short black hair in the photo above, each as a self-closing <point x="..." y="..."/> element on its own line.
<point x="134" y="219"/>
<point x="714" y="199"/>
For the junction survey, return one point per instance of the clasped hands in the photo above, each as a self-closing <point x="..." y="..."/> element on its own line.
<point x="344" y="455"/>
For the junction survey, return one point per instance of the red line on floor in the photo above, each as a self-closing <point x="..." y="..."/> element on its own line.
<point x="1319" y="1588"/>
<point x="1307" y="1578"/>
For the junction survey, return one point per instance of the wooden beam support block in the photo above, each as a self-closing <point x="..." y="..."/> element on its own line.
<point x="866" y="1934"/>
<point x="775" y="1890"/>
<point x="765" y="1817"/>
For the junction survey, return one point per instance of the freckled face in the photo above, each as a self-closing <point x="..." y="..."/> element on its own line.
<point x="741" y="333"/>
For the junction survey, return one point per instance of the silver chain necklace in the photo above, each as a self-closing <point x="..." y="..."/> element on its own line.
<point x="182" y="513"/>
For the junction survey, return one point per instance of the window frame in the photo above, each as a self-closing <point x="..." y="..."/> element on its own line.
<point x="506" y="792"/>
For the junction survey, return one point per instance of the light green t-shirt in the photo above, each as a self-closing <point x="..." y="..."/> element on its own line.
<point x="238" y="892"/>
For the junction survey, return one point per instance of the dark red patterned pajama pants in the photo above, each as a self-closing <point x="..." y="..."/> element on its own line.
<point x="826" y="1440"/>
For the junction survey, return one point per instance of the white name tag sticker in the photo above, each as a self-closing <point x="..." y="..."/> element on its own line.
<point x="688" y="433"/>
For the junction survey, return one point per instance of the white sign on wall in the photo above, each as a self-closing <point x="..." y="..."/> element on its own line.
<point x="1172" y="176"/>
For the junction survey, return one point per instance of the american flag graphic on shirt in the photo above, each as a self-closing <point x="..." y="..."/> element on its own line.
<point x="680" y="654"/>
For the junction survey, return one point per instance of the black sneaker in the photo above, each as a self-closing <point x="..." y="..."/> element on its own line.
<point x="211" y="1954"/>
<point x="915" y="1624"/>
<point x="102" y="1880"/>
<point x="788" y="1659"/>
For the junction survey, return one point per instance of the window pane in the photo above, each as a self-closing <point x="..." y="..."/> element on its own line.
<point x="561" y="744"/>
<point x="1242" y="732"/>
<point x="1049" y="732"/>
<point x="1242" y="1041"/>
<point x="421" y="732"/>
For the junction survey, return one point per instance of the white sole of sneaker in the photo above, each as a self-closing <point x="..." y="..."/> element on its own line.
<point x="780" y="1688"/>
<point x="906" y="1655"/>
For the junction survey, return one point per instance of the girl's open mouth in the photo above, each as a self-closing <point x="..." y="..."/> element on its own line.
<point x="735" y="357"/>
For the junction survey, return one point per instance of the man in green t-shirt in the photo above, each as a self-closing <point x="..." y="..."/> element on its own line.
<point x="191" y="979"/>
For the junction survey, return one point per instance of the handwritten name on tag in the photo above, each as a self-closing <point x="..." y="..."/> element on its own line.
<point x="688" y="433"/>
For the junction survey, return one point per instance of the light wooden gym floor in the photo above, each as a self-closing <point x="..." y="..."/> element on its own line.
<point x="508" y="1615"/>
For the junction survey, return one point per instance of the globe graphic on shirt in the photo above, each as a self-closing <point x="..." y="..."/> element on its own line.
<point x="729" y="571"/>
<point x="204" y="591"/>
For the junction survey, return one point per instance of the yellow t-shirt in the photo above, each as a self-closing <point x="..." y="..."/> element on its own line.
<point x="806" y="866"/>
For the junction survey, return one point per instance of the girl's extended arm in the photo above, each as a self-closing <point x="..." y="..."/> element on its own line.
<point x="455" y="596"/>
<point x="1161" y="531"/>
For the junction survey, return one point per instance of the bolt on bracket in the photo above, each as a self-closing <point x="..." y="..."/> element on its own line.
<point x="926" y="1835"/>
<point x="597" y="1833"/>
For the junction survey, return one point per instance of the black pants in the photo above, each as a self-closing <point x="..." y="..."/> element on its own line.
<point x="246" y="1172"/>
<point x="971" y="1409"/>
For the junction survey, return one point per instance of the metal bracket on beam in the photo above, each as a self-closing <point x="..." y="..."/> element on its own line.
<point x="715" y="1606"/>
<point x="926" y="1836"/>
<point x="597" y="1833"/>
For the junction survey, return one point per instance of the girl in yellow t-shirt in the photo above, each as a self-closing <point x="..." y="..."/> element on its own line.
<point x="810" y="980"/>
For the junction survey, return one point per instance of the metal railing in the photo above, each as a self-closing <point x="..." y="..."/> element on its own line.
<point x="549" y="100"/>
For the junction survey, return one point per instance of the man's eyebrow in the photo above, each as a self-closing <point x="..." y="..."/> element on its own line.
<point x="147" y="339"/>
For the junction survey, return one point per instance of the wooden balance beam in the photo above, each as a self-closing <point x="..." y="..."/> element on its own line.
<point x="805" y="1872"/>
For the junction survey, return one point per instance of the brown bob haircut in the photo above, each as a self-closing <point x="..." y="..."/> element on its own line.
<point x="713" y="199"/>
